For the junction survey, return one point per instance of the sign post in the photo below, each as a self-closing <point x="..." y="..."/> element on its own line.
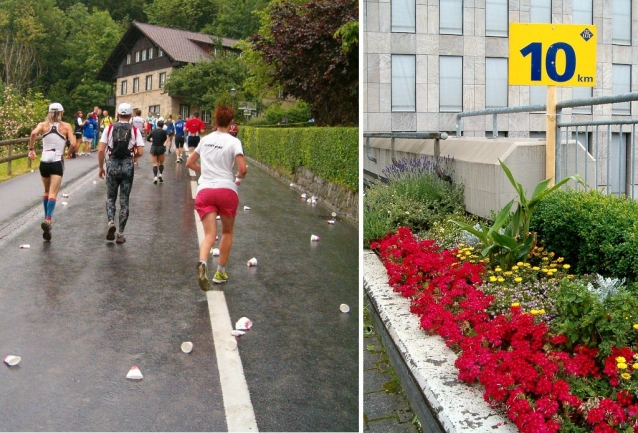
<point x="552" y="55"/>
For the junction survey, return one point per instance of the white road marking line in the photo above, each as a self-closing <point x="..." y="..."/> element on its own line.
<point x="240" y="416"/>
<point x="194" y="193"/>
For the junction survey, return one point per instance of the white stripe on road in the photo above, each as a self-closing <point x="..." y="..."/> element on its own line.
<point x="240" y="416"/>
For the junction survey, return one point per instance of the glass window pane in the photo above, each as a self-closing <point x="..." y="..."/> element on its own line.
<point x="496" y="18"/>
<point x="495" y="83"/>
<point x="621" y="83"/>
<point x="450" y="84"/>
<point x="582" y="12"/>
<point x="451" y="17"/>
<point x="404" y="16"/>
<point x="621" y="22"/>
<point x="540" y="11"/>
<point x="403" y="83"/>
<point x="581" y="93"/>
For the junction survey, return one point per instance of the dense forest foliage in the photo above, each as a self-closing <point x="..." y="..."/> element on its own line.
<point x="53" y="49"/>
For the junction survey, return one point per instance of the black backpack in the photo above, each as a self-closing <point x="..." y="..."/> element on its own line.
<point x="121" y="137"/>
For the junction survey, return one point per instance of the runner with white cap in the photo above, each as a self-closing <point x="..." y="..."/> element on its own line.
<point x="55" y="133"/>
<point x="122" y="141"/>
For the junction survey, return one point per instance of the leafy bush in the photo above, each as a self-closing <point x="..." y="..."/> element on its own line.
<point x="330" y="153"/>
<point x="594" y="231"/>
<point x="299" y="113"/>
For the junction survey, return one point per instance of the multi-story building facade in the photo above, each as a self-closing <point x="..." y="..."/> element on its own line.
<point x="426" y="60"/>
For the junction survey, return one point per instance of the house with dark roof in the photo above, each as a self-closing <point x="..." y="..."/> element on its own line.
<point x="145" y="57"/>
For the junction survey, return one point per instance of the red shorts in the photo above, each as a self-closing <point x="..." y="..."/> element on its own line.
<point x="224" y="201"/>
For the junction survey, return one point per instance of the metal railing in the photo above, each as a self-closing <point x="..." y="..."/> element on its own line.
<point x="495" y="112"/>
<point x="427" y="135"/>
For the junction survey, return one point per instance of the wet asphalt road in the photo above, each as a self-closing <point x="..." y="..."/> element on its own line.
<point x="81" y="312"/>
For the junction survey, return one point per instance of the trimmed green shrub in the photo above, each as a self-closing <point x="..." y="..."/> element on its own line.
<point x="593" y="231"/>
<point x="330" y="153"/>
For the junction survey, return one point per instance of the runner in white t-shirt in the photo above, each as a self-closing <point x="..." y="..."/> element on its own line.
<point x="217" y="191"/>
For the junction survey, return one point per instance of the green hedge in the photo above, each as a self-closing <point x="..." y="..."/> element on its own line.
<point x="330" y="153"/>
<point x="593" y="231"/>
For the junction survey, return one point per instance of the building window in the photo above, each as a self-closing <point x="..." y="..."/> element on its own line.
<point x="144" y="55"/>
<point x="155" y="109"/>
<point x="160" y="53"/>
<point x="150" y="53"/>
<point x="582" y="12"/>
<point x="184" y="111"/>
<point x="540" y="11"/>
<point x="403" y="83"/>
<point x="451" y="17"/>
<point x="137" y="56"/>
<point x="136" y="85"/>
<point x="496" y="18"/>
<point x="162" y="79"/>
<point x="581" y="93"/>
<point x="495" y="82"/>
<point x="205" y="116"/>
<point x="404" y="16"/>
<point x="621" y="22"/>
<point x="128" y="59"/>
<point x="123" y="87"/>
<point x="149" y="82"/>
<point x="620" y="84"/>
<point x="450" y="84"/>
<point x="537" y="95"/>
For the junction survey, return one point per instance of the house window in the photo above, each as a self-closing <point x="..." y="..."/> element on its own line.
<point x="123" y="88"/>
<point x="496" y="18"/>
<point x="206" y="116"/>
<point x="160" y="53"/>
<point x="620" y="84"/>
<point x="621" y="22"/>
<point x="451" y="17"/>
<point x="581" y="93"/>
<point x="128" y="59"/>
<point x="162" y="79"/>
<point x="136" y="85"/>
<point x="149" y="82"/>
<point x="150" y="53"/>
<point x="184" y="111"/>
<point x="540" y="11"/>
<point x="155" y="109"/>
<point x="144" y="55"/>
<point x="495" y="82"/>
<point x="137" y="56"/>
<point x="582" y="12"/>
<point x="403" y="83"/>
<point x="404" y="16"/>
<point x="450" y="84"/>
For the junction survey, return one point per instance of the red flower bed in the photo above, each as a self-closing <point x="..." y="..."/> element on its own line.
<point x="514" y="356"/>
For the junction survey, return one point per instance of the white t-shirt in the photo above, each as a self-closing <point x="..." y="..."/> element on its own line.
<point x="217" y="152"/>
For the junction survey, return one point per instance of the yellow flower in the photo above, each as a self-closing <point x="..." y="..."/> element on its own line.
<point x="635" y="366"/>
<point x="471" y="249"/>
<point x="516" y="304"/>
<point x="461" y="245"/>
<point x="515" y="268"/>
<point x="507" y="273"/>
<point x="544" y="270"/>
<point x="518" y="279"/>
<point x="636" y="326"/>
<point x="536" y="268"/>
<point x="520" y="264"/>
<point x="545" y="259"/>
<point x="570" y="276"/>
<point x="492" y="279"/>
<point x="622" y="366"/>
<point x="560" y="259"/>
<point x="541" y="311"/>
<point x="467" y="253"/>
<point x="497" y="269"/>
<point x="527" y="265"/>
<point x="500" y="279"/>
<point x="621" y="359"/>
<point x="626" y="376"/>
<point x="534" y="312"/>
<point x="566" y="266"/>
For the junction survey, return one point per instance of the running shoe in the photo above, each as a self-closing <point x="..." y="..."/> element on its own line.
<point x="110" y="232"/>
<point x="220" y="277"/>
<point x="46" y="230"/>
<point x="155" y="180"/>
<point x="120" y="239"/>
<point x="160" y="179"/>
<point x="202" y="276"/>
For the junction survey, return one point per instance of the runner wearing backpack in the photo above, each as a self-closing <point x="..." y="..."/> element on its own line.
<point x="122" y="141"/>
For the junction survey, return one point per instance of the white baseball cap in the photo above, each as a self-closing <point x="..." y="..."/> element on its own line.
<point x="124" y="109"/>
<point x="56" y="106"/>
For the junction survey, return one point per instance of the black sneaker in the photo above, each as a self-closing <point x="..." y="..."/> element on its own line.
<point x="110" y="233"/>
<point x="46" y="230"/>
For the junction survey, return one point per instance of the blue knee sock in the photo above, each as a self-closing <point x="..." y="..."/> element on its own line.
<point x="50" y="207"/>
<point x="45" y="200"/>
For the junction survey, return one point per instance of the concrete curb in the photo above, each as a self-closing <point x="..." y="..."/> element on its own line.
<point x="457" y="406"/>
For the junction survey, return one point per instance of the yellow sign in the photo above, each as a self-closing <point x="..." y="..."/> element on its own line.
<point x="552" y="54"/>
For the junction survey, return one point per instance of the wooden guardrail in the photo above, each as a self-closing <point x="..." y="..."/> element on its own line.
<point x="11" y="157"/>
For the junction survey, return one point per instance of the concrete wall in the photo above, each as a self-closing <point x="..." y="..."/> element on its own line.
<point x="476" y="165"/>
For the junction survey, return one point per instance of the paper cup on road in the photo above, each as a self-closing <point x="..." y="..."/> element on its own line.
<point x="331" y="221"/>
<point x="236" y="333"/>
<point x="303" y="195"/>
<point x="243" y="324"/>
<point x="95" y="182"/>
<point x="12" y="360"/>
<point x="344" y="308"/>
<point x="231" y="344"/>
<point x="292" y="184"/>
<point x="252" y="262"/>
<point x="308" y="201"/>
<point x="246" y="208"/>
<point x="64" y="203"/>
<point x="65" y="195"/>
<point x="334" y="214"/>
<point x="215" y="252"/>
<point x="314" y="238"/>
<point x="25" y="246"/>
<point x="187" y="347"/>
<point x="134" y="373"/>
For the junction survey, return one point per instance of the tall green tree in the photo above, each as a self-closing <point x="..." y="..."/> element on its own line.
<point x="237" y="19"/>
<point x="303" y="47"/>
<point x="190" y="15"/>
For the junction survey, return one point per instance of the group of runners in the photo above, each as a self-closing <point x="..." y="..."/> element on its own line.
<point x="122" y="142"/>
